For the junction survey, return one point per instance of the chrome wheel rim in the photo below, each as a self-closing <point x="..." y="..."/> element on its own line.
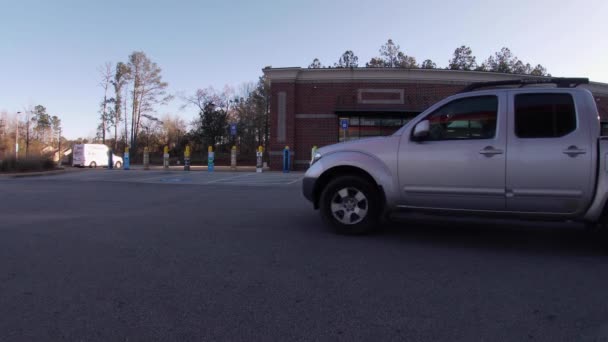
<point x="349" y="206"/>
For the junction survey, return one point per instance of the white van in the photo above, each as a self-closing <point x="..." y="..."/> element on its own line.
<point x="93" y="155"/>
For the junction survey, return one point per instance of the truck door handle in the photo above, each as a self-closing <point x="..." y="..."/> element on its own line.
<point x="573" y="151"/>
<point x="489" y="151"/>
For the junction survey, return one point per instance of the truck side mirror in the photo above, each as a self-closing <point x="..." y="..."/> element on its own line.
<point x="421" y="130"/>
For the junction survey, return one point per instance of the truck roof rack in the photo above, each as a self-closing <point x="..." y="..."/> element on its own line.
<point x="561" y="82"/>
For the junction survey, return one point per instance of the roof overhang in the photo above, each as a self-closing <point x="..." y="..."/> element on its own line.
<point x="400" y="75"/>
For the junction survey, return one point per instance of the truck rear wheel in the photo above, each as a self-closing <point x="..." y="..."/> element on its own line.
<point x="93" y="165"/>
<point x="117" y="165"/>
<point x="350" y="205"/>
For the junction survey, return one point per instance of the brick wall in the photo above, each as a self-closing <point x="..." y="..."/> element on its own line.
<point x="276" y="147"/>
<point x="317" y="103"/>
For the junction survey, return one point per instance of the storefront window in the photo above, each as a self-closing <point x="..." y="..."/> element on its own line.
<point x="363" y="126"/>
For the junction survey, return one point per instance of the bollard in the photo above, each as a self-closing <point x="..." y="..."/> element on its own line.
<point x="146" y="159"/>
<point x="313" y="152"/>
<point x="187" y="158"/>
<point x="233" y="158"/>
<point x="110" y="159"/>
<point x="286" y="159"/>
<point x="126" y="163"/>
<point x="166" y="157"/>
<point x="259" y="166"/>
<point x="210" y="159"/>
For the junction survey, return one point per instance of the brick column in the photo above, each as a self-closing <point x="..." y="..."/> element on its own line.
<point x="282" y="113"/>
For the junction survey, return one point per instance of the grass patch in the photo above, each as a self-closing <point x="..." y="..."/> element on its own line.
<point x="27" y="165"/>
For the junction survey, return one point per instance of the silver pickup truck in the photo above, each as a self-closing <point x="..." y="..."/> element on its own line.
<point x="520" y="149"/>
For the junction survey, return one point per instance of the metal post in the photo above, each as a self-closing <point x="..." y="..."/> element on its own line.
<point x="146" y="159"/>
<point x="286" y="165"/>
<point x="166" y="158"/>
<point x="259" y="166"/>
<point x="187" y="158"/>
<point x="126" y="161"/>
<point x="59" y="148"/>
<point x="210" y="159"/>
<point x="233" y="158"/>
<point x="110" y="159"/>
<point x="17" y="138"/>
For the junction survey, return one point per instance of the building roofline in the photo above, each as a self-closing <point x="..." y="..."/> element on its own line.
<point x="441" y="76"/>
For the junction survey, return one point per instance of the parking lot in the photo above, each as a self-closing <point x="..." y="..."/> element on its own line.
<point x="178" y="177"/>
<point x="99" y="255"/>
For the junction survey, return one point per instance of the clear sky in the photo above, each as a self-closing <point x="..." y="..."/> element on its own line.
<point x="50" y="50"/>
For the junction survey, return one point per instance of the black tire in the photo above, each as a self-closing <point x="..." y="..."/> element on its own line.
<point x="117" y="165"/>
<point x="342" y="192"/>
<point x="93" y="165"/>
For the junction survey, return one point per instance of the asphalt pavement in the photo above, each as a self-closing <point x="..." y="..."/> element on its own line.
<point x="99" y="255"/>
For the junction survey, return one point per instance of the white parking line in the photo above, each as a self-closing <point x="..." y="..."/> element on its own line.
<point x="229" y="178"/>
<point x="295" y="181"/>
<point x="262" y="182"/>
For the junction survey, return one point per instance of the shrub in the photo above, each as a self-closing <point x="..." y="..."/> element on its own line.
<point x="25" y="165"/>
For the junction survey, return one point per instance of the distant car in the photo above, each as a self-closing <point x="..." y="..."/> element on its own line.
<point x="524" y="152"/>
<point x="93" y="155"/>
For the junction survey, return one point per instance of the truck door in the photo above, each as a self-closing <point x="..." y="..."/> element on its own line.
<point x="549" y="154"/>
<point x="461" y="164"/>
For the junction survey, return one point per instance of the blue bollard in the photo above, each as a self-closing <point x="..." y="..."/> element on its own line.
<point x="286" y="159"/>
<point x="126" y="162"/>
<point x="210" y="159"/>
<point x="110" y="160"/>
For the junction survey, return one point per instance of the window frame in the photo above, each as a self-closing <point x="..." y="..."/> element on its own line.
<point x="426" y="117"/>
<point x="576" y="117"/>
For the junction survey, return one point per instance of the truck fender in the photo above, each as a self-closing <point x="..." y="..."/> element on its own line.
<point x="380" y="173"/>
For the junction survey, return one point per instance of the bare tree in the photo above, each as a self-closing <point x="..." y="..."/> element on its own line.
<point x="347" y="60"/>
<point x="120" y="81"/>
<point x="173" y="129"/>
<point x="107" y="74"/>
<point x="428" y="64"/>
<point x="148" y="90"/>
<point x="405" y="61"/>
<point x="390" y="53"/>
<point x="375" y="62"/>
<point x="125" y="109"/>
<point x="463" y="59"/>
<point x="203" y="97"/>
<point x="316" y="64"/>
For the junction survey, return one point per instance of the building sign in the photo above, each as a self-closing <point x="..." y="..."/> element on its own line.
<point x="233" y="129"/>
<point x="344" y="124"/>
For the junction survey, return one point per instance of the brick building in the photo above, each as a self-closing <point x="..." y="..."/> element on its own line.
<point x="308" y="105"/>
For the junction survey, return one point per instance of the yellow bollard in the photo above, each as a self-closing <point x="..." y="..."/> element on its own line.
<point x="259" y="159"/>
<point x="187" y="158"/>
<point x="233" y="158"/>
<point x="166" y="157"/>
<point x="146" y="159"/>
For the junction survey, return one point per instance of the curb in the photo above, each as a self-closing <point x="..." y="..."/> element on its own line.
<point x="33" y="174"/>
<point x="196" y="168"/>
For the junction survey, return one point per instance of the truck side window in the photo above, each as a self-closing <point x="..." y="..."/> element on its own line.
<point x="467" y="118"/>
<point x="544" y="115"/>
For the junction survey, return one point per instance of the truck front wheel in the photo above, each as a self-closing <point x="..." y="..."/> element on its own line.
<point x="350" y="205"/>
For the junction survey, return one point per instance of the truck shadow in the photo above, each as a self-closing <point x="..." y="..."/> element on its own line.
<point x="500" y="235"/>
